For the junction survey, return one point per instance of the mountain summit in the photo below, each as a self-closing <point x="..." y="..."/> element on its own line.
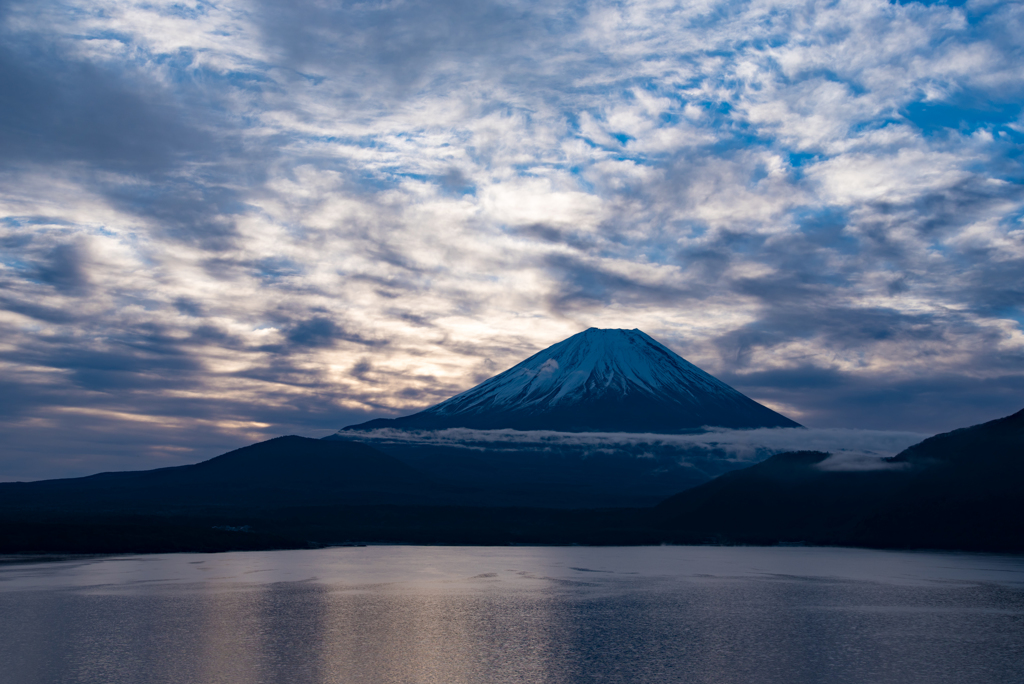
<point x="596" y="381"/>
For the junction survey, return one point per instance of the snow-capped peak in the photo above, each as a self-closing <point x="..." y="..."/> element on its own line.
<point x="589" y="364"/>
<point x="604" y="380"/>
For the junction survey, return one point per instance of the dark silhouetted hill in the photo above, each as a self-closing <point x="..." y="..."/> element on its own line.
<point x="284" y="471"/>
<point x="958" y="490"/>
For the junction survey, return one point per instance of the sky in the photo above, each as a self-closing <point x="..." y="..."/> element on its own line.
<point x="222" y="222"/>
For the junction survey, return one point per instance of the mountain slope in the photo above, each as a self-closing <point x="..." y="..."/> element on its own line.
<point x="784" y="498"/>
<point x="967" y="491"/>
<point x="957" y="490"/>
<point x="278" y="472"/>
<point x="596" y="380"/>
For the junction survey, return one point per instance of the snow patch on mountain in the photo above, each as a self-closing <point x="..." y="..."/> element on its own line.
<point x="592" y="363"/>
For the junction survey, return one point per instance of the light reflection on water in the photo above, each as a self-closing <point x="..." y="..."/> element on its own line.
<point x="522" y="614"/>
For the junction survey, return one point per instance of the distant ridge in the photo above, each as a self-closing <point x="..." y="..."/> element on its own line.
<point x="281" y="471"/>
<point x="957" y="490"/>
<point x="596" y="381"/>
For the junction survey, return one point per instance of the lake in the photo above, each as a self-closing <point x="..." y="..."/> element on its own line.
<point x="448" y="615"/>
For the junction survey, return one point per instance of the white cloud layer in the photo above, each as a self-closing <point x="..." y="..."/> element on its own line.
<point x="847" y="446"/>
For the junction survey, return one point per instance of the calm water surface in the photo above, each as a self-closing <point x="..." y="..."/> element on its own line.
<point x="450" y="615"/>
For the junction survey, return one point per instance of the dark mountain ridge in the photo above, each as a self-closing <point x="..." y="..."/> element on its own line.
<point x="543" y="472"/>
<point x="957" y="490"/>
<point x="278" y="472"/>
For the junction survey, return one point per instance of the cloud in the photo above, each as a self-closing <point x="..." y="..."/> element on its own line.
<point x="64" y="267"/>
<point x="57" y="110"/>
<point x="858" y="462"/>
<point x="851" y="449"/>
<point x="364" y="208"/>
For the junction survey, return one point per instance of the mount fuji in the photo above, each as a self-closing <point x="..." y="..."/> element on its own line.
<point x="596" y="381"/>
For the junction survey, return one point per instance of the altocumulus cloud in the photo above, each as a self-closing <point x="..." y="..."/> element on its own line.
<point x="221" y="222"/>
